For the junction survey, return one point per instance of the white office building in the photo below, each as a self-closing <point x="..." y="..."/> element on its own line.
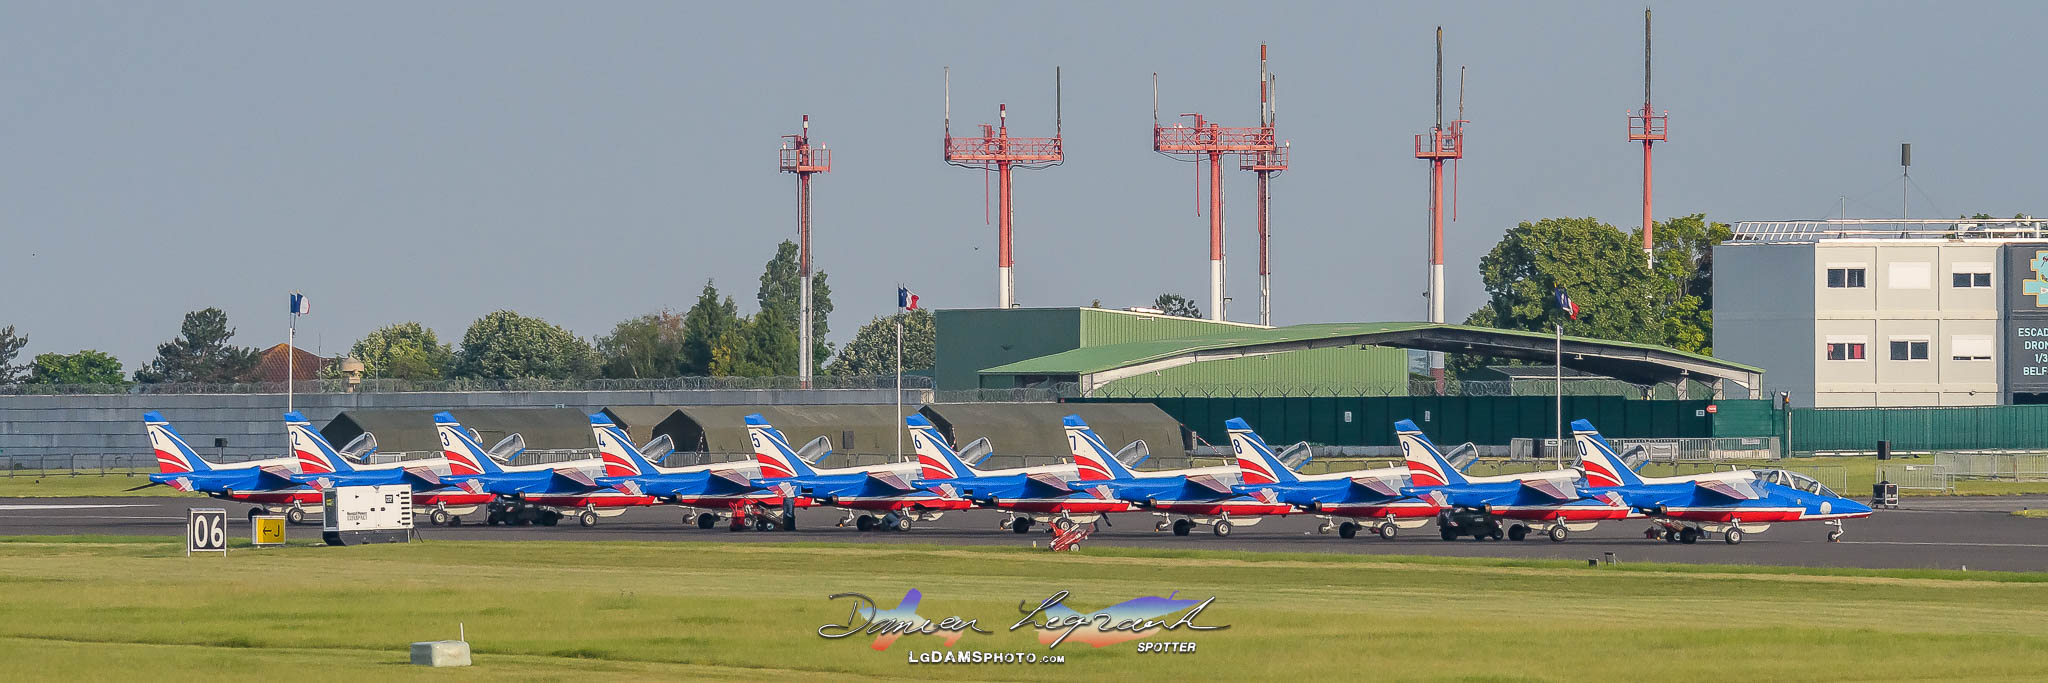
<point x="1887" y="313"/>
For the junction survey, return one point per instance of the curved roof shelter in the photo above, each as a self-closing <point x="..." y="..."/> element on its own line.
<point x="1095" y="366"/>
<point x="411" y="430"/>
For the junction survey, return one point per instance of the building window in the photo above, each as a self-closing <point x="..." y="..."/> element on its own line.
<point x="1971" y="279"/>
<point x="1845" y="351"/>
<point x="1909" y="350"/>
<point x="1839" y="278"/>
<point x="1969" y="347"/>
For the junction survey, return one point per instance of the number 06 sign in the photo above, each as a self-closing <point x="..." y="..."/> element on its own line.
<point x="206" y="531"/>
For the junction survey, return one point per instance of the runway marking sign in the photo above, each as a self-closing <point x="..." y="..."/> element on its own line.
<point x="266" y="530"/>
<point x="206" y="531"/>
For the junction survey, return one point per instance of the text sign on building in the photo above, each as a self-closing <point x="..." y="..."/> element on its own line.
<point x="2026" y="320"/>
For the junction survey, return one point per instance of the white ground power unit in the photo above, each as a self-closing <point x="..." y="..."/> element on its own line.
<point x="367" y="514"/>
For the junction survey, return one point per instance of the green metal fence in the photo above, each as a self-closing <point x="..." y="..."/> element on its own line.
<point x="1369" y="421"/>
<point x="1919" y="429"/>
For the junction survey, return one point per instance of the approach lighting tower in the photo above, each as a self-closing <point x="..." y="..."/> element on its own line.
<point x="1267" y="165"/>
<point x="1442" y="143"/>
<point x="994" y="150"/>
<point x="1206" y="141"/>
<point x="1646" y="126"/>
<point x="799" y="157"/>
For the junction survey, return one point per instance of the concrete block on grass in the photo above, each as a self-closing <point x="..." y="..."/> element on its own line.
<point x="441" y="653"/>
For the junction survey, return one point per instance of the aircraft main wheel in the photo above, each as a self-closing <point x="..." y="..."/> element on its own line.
<point x="1733" y="536"/>
<point x="455" y="520"/>
<point x="1517" y="532"/>
<point x="707" y="520"/>
<point x="253" y="512"/>
<point x="1835" y="535"/>
<point x="295" y="516"/>
<point x="1181" y="527"/>
<point x="1222" y="527"/>
<point x="1347" y="530"/>
<point x="586" y="518"/>
<point x="1493" y="530"/>
<point x="1688" y="536"/>
<point x="865" y="523"/>
<point x="903" y="524"/>
<point x="1449" y="533"/>
<point x="1559" y="533"/>
<point x="1020" y="525"/>
<point x="763" y="524"/>
<point x="438" y="517"/>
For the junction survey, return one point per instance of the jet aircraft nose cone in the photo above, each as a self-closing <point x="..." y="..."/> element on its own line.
<point x="1853" y="507"/>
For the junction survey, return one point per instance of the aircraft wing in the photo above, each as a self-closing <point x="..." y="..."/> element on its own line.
<point x="275" y="477"/>
<point x="889" y="480"/>
<point x="564" y="479"/>
<point x="1549" y="488"/>
<point x="422" y="477"/>
<point x="1731" y="490"/>
<point x="1211" y="483"/>
<point x="229" y="480"/>
<point x="1384" y="486"/>
<point x="1044" y="485"/>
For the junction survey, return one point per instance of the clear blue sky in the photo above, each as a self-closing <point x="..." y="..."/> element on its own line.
<point x="590" y="162"/>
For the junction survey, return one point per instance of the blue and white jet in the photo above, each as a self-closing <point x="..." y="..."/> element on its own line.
<point x="887" y="489"/>
<point x="1346" y="501"/>
<point x="1689" y="508"/>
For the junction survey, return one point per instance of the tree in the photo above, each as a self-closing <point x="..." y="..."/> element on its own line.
<point x="872" y="351"/>
<point x="407" y="350"/>
<point x="647" y="346"/>
<point x="703" y="325"/>
<point x="507" y="345"/>
<point x="1668" y="302"/>
<point x="10" y="347"/>
<point x="782" y="284"/>
<point x="84" y="367"/>
<point x="201" y="353"/>
<point x="1176" y="305"/>
<point x="760" y="346"/>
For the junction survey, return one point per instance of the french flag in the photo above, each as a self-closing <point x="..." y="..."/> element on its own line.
<point x="906" y="299"/>
<point x="300" y="305"/>
<point x="1564" y="302"/>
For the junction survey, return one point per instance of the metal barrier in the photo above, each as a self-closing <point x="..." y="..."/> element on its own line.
<point x="1918" y="477"/>
<point x="1674" y="451"/>
<point x="1995" y="466"/>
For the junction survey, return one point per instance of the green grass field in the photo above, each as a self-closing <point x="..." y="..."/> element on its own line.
<point x="130" y="608"/>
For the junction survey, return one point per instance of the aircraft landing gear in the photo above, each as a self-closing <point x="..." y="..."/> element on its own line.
<point x="1222" y="527"/>
<point x="1347" y="530"/>
<point x="1688" y="535"/>
<point x="1388" y="530"/>
<point x="296" y="515"/>
<point x="439" y="517"/>
<point x="253" y="512"/>
<point x="1020" y="525"/>
<point x="1518" y="532"/>
<point x="707" y="520"/>
<point x="1181" y="527"/>
<point x="1559" y="533"/>
<point x="1733" y="536"/>
<point x="587" y="518"/>
<point x="864" y="523"/>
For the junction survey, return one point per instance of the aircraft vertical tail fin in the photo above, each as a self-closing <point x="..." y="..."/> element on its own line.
<point x="1602" y="466"/>
<point x="173" y="455"/>
<point x="1255" y="460"/>
<point x="315" y="454"/>
<point x="465" y="456"/>
<point x="1092" y="460"/>
<point x="772" y="451"/>
<point x="621" y="459"/>
<point x="936" y="459"/>
<point x="1426" y="465"/>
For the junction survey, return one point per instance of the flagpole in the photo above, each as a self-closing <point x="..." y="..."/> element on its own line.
<point x="899" y="377"/>
<point x="1560" y="394"/>
<point x="291" y="340"/>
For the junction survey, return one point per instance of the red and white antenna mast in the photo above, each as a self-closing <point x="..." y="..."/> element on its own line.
<point x="1646" y="126"/>
<point x="994" y="150"/>
<point x="799" y="157"/>
<point x="1206" y="141"/>
<point x="1267" y="164"/>
<point x="1442" y="143"/>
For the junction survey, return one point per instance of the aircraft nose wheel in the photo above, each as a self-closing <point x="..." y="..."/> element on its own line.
<point x="1835" y="535"/>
